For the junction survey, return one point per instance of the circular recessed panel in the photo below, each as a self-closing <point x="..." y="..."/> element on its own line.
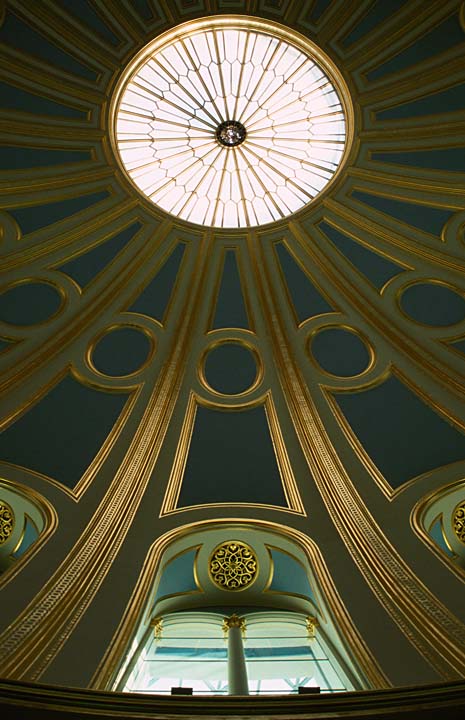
<point x="433" y="304"/>
<point x="29" y="303"/>
<point x="230" y="368"/>
<point x="121" y="351"/>
<point x="7" y="522"/>
<point x="458" y="521"/>
<point x="340" y="352"/>
<point x="233" y="566"/>
<point x="230" y="122"/>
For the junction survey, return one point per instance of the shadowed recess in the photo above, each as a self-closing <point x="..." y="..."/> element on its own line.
<point x="19" y="35"/>
<point x="230" y="368"/>
<point x="423" y="217"/>
<point x="87" y="266"/>
<point x="178" y="576"/>
<point x="441" y="38"/>
<point x="143" y="8"/>
<point x="403" y="436"/>
<point x="154" y="300"/>
<point x="306" y="299"/>
<point x="230" y="308"/>
<point x="4" y="343"/>
<point x="433" y="304"/>
<point x="29" y="303"/>
<point x="61" y="434"/>
<point x="378" y="11"/>
<point x="339" y="352"/>
<point x="319" y="8"/>
<point x="289" y="576"/>
<point x="436" y="533"/>
<point x="19" y="157"/>
<point x="121" y="351"/>
<point x="231" y="459"/>
<point x="31" y="219"/>
<point x="88" y="15"/>
<point x="449" y="100"/>
<point x="375" y="267"/>
<point x="459" y="345"/>
<point x="15" y="98"/>
<point x="448" y="159"/>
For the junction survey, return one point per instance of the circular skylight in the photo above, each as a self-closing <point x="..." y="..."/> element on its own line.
<point x="230" y="122"/>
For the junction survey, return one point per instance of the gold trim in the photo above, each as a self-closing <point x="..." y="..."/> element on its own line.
<point x="259" y="373"/>
<point x="115" y="327"/>
<point x="7" y="522"/>
<point x="347" y="328"/>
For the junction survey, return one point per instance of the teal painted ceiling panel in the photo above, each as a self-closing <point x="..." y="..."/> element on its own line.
<point x="231" y="459"/>
<point x="403" y="436"/>
<point x="441" y="38"/>
<point x="230" y="368"/>
<point x="178" y="576"/>
<point x="19" y="35"/>
<point x="87" y="266"/>
<point x="306" y="299"/>
<point x="449" y="100"/>
<point x="39" y="216"/>
<point x="230" y="308"/>
<point x="61" y="434"/>
<point x="121" y="352"/>
<point x="424" y="217"/>
<point x="19" y="157"/>
<point x="433" y="304"/>
<point x="153" y="301"/>
<point x="374" y="266"/>
<point x="289" y="576"/>
<point x="378" y="11"/>
<point x="449" y="159"/>
<point x="15" y="98"/>
<point x="340" y="352"/>
<point x="29" y="303"/>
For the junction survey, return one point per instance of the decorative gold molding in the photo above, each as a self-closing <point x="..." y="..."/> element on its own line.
<point x="7" y="522"/>
<point x="234" y="621"/>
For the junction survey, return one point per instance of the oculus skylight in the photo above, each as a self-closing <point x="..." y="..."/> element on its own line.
<point x="230" y="122"/>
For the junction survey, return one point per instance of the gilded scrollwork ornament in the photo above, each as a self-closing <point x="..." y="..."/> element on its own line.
<point x="233" y="566"/>
<point x="458" y="521"/>
<point x="7" y="522"/>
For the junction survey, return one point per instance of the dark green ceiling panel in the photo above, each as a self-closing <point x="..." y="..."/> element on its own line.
<point x="444" y="159"/>
<point x="87" y="14"/>
<point x="29" y="303"/>
<point x="153" y="301"/>
<point x="230" y="308"/>
<point x="178" y="576"/>
<point x="21" y="36"/>
<point x="340" y="352"/>
<point x="377" y="268"/>
<point x="378" y="11"/>
<point x="87" y="266"/>
<point x="143" y="8"/>
<point x="31" y="219"/>
<point x="230" y="368"/>
<point x="441" y="38"/>
<point x="433" y="304"/>
<point x="19" y="157"/>
<point x="449" y="100"/>
<point x="403" y="436"/>
<point x="19" y="99"/>
<point x="231" y="459"/>
<point x="306" y="299"/>
<point x="289" y="576"/>
<point x="61" y="434"/>
<point x="424" y="217"/>
<point x="319" y="8"/>
<point x="121" y="352"/>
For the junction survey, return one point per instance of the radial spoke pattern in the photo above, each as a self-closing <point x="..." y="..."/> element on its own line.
<point x="171" y="110"/>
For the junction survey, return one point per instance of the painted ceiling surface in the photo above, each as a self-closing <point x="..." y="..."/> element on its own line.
<point x="308" y="373"/>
